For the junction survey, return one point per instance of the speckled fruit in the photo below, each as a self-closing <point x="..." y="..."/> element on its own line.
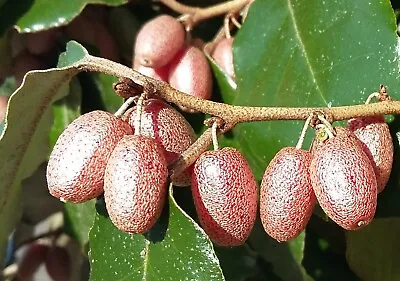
<point x="159" y="73"/>
<point x="75" y="171"/>
<point x="225" y="195"/>
<point x="135" y="183"/>
<point x="286" y="195"/>
<point x="3" y="107"/>
<point x="374" y="134"/>
<point x="158" y="41"/>
<point x="168" y="127"/>
<point x="191" y="74"/>
<point x="223" y="56"/>
<point x="344" y="181"/>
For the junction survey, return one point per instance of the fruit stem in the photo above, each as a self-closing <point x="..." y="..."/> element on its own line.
<point x="124" y="106"/>
<point x="328" y="126"/>
<point x="326" y="129"/>
<point x="371" y="96"/>
<point x="197" y="14"/>
<point x="304" y="131"/>
<point x="227" y="28"/>
<point x="214" y="135"/>
<point x="139" y="111"/>
<point x="235" y="21"/>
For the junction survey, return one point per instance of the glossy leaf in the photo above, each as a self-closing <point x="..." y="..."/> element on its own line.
<point x="324" y="252"/>
<point x="110" y="99"/>
<point x="373" y="252"/>
<point x="238" y="263"/>
<point x="24" y="143"/>
<point x="33" y="16"/>
<point x="124" y="23"/>
<point x="79" y="219"/>
<point x="319" y="53"/>
<point x="285" y="258"/>
<point x="175" y="248"/>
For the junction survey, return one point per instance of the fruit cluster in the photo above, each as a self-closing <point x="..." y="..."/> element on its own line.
<point x="99" y="152"/>
<point x="127" y="158"/>
<point x="344" y="173"/>
<point x="161" y="52"/>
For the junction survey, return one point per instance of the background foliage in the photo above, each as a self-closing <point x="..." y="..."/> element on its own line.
<point x="287" y="53"/>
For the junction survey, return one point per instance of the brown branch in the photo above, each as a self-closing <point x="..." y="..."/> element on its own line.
<point x="232" y="114"/>
<point x="193" y="15"/>
<point x="229" y="113"/>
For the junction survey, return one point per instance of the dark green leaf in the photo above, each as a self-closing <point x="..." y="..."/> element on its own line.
<point x="314" y="53"/>
<point x="373" y="252"/>
<point x="176" y="248"/>
<point x="286" y="258"/>
<point x="123" y="22"/>
<point x="238" y="263"/>
<point x="33" y="16"/>
<point x="110" y="99"/>
<point x="24" y="143"/>
<point x="324" y="253"/>
<point x="79" y="219"/>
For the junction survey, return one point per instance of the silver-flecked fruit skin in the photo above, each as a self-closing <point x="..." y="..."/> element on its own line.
<point x="135" y="183"/>
<point x="344" y="180"/>
<point x="374" y="134"/>
<point x="75" y="171"/>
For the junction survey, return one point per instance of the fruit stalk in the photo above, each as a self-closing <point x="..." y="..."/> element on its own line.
<point x="197" y="14"/>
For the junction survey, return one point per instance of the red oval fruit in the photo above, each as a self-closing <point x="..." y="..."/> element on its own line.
<point x="158" y="41"/>
<point x="58" y="264"/>
<point x="159" y="73"/>
<point x="191" y="74"/>
<point x="225" y="195"/>
<point x="3" y="107"/>
<point x="223" y="56"/>
<point x="135" y="183"/>
<point x="286" y="195"/>
<point x="168" y="127"/>
<point x="344" y="181"/>
<point x="75" y="171"/>
<point x="374" y="134"/>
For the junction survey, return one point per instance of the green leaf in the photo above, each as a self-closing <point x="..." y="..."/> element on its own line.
<point x="123" y="22"/>
<point x="373" y="252"/>
<point x="314" y="53"/>
<point x="286" y="258"/>
<point x="238" y="263"/>
<point x="110" y="99"/>
<point x="79" y="219"/>
<point x="324" y="253"/>
<point x="33" y="16"/>
<point x="24" y="142"/>
<point x="176" y="248"/>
